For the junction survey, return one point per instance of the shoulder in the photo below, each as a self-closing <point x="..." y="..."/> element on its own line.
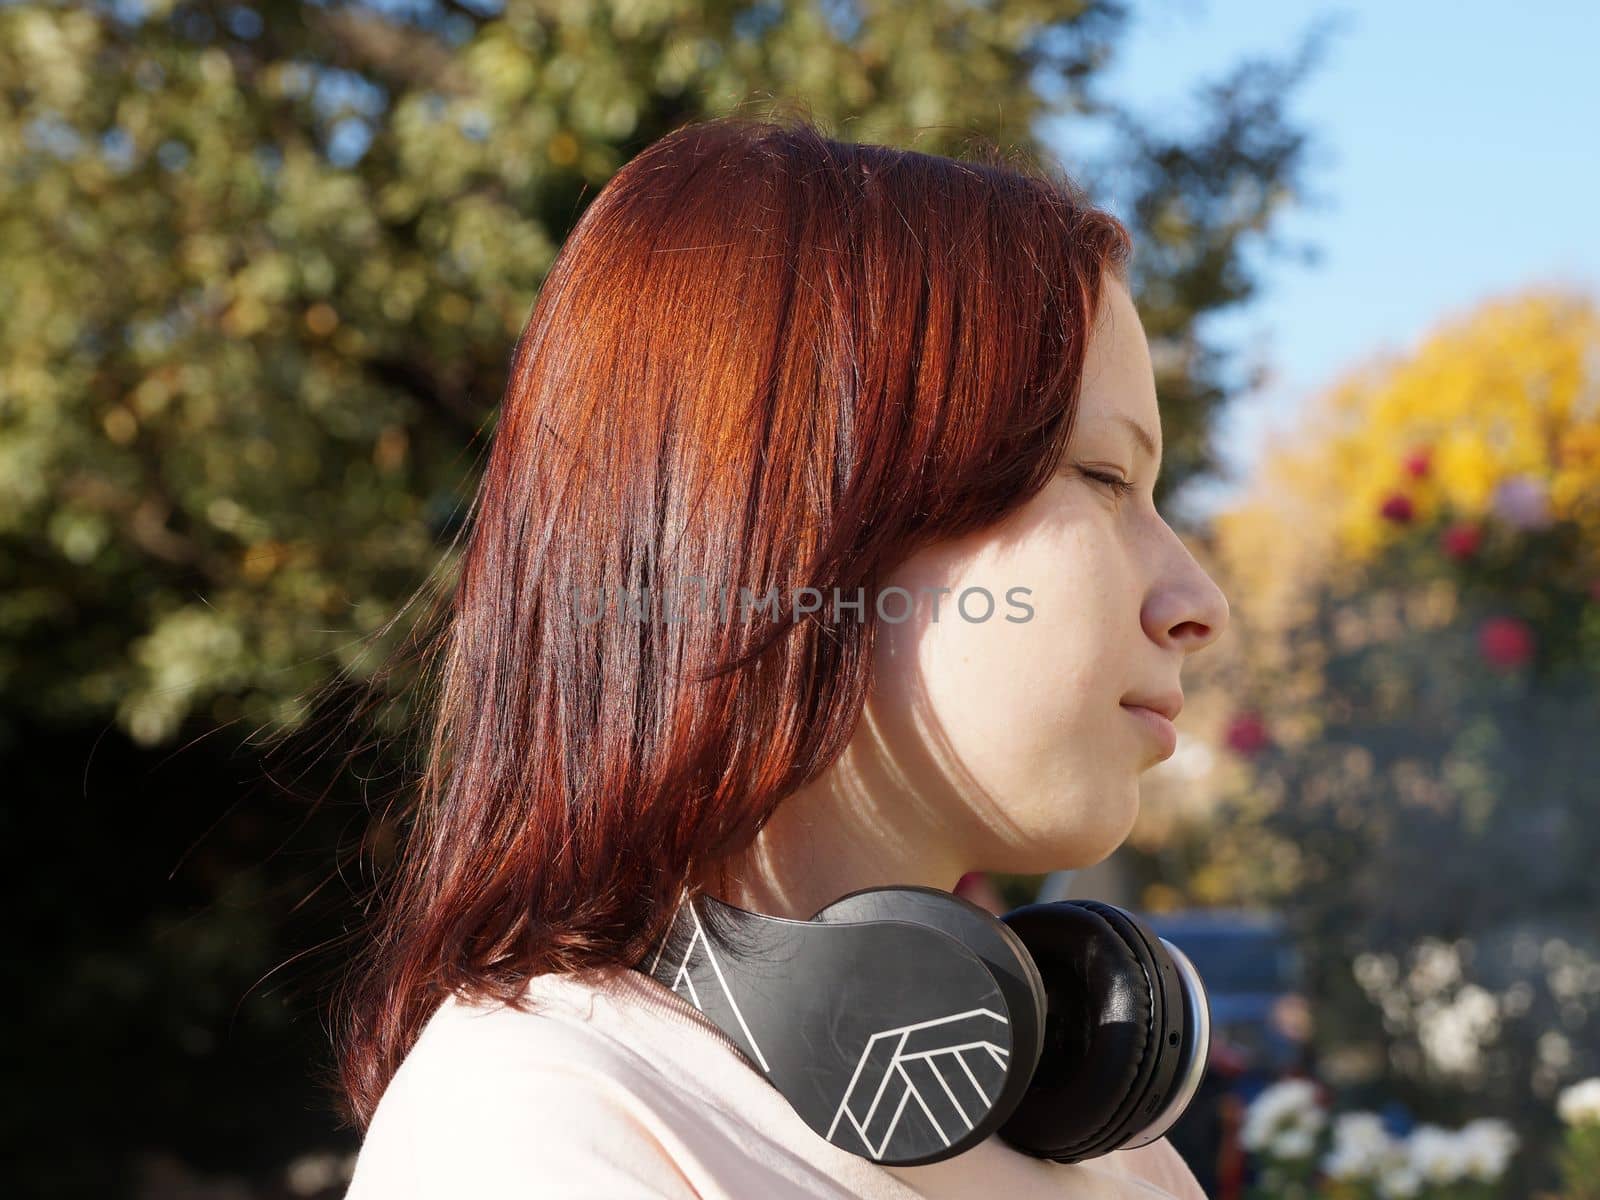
<point x="494" y="1097"/>
<point x="1160" y="1164"/>
<point x="467" y="1043"/>
<point x="609" y="1087"/>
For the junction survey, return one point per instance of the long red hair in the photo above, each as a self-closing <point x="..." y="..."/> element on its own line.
<point x="764" y="359"/>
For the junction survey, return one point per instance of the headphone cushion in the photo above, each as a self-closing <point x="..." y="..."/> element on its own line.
<point x="1158" y="1068"/>
<point x="1101" y="1033"/>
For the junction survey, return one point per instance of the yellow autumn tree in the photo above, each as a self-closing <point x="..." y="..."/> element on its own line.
<point x="1496" y="414"/>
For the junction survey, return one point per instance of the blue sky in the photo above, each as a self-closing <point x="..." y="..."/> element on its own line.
<point x="1456" y="157"/>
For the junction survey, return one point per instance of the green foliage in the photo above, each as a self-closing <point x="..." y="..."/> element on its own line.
<point x="1580" y="1162"/>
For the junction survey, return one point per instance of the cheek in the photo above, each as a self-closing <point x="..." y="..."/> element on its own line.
<point x="1017" y="688"/>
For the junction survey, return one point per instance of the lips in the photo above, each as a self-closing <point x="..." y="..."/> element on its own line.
<point x="1159" y="727"/>
<point x="1168" y="704"/>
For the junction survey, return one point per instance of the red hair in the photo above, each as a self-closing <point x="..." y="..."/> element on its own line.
<point x="765" y="358"/>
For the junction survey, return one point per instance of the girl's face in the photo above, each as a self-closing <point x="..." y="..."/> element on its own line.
<point x="1019" y="736"/>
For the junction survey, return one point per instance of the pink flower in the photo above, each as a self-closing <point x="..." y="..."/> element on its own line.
<point x="1247" y="734"/>
<point x="1418" y="462"/>
<point x="1462" y="539"/>
<point x="1523" y="502"/>
<point x="1398" y="508"/>
<point x="1506" y="643"/>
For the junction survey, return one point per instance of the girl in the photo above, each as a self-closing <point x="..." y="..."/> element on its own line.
<point x="816" y="551"/>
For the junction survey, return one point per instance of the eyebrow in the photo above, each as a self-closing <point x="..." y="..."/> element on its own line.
<point x="1140" y="435"/>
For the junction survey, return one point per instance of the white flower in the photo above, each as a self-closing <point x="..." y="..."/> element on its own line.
<point x="1362" y="1147"/>
<point x="1289" y="1103"/>
<point x="1399" y="1181"/>
<point x="1436" y="1154"/>
<point x="1295" y="1142"/>
<point x="1487" y="1145"/>
<point x="1580" y="1103"/>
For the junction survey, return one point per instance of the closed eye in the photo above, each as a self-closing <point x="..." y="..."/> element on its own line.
<point x="1121" y="487"/>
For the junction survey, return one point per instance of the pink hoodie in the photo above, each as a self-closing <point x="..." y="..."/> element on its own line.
<point x="618" y="1088"/>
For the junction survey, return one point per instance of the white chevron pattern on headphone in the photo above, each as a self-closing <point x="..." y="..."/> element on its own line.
<point x="895" y="1073"/>
<point x="684" y="976"/>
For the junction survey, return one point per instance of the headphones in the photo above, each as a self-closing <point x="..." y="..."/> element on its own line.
<point x="907" y="1024"/>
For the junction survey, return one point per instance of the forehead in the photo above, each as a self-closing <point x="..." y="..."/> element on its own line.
<point x="1118" y="380"/>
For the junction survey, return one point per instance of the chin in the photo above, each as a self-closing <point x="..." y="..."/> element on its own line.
<point x="1083" y="844"/>
<point x="1095" y="841"/>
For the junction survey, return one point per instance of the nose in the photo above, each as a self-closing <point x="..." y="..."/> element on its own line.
<point x="1185" y="608"/>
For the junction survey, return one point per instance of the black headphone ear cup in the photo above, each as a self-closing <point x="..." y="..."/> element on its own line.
<point x="993" y="941"/>
<point x="1157" y="1082"/>
<point x="1107" y="1068"/>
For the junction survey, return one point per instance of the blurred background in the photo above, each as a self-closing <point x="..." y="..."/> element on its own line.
<point x="262" y="265"/>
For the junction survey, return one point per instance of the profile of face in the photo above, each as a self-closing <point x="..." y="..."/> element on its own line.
<point x="1013" y="743"/>
<point x="1022" y="739"/>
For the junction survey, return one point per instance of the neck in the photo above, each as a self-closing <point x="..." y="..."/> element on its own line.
<point x="857" y="826"/>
